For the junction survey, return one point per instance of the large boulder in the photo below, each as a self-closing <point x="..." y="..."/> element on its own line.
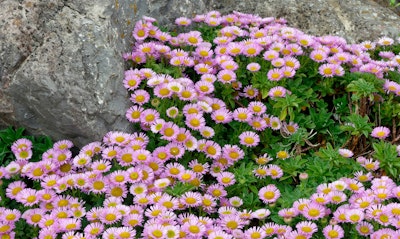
<point x="61" y="68"/>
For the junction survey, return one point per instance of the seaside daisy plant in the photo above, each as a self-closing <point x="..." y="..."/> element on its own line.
<point x="244" y="127"/>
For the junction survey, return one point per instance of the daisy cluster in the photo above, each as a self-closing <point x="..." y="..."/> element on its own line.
<point x="198" y="118"/>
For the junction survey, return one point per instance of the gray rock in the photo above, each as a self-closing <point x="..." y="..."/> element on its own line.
<point x="61" y="69"/>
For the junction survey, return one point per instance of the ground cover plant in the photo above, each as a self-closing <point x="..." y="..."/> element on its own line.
<point x="245" y="128"/>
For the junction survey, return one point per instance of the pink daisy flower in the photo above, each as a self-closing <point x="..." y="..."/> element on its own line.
<point x="175" y="150"/>
<point x="226" y="178"/>
<point x="354" y="215"/>
<point x="275" y="74"/>
<point x="385" y="41"/>
<point x="193" y="38"/>
<point x="204" y="87"/>
<point x="222" y="116"/>
<point x="149" y="116"/>
<point x="28" y="197"/>
<point x="207" y="132"/>
<point x="318" y="55"/>
<point x="260" y="214"/>
<point x="131" y="81"/>
<point x="314" y="211"/>
<point x="380" y="132"/>
<point x="253" y="67"/>
<point x="275" y="171"/>
<point x="229" y="65"/>
<point x="292" y="62"/>
<point x="140" y="97"/>
<point x="327" y="70"/>
<point x="226" y="76"/>
<point x="232" y="152"/>
<point x="133" y="113"/>
<point x="306" y="227"/>
<point x="195" y="121"/>
<point x="364" y="228"/>
<point x="242" y="114"/>
<point x="191" y="199"/>
<point x="194" y="228"/>
<point x="204" y="52"/>
<point x="212" y="149"/>
<point x="183" y="21"/>
<point x="169" y="131"/>
<point x="250" y="92"/>
<point x="257" y="107"/>
<point x="278" y="62"/>
<point x="187" y="94"/>
<point x="270" y="55"/>
<point x="255" y="232"/>
<point x="162" y="91"/>
<point x="269" y="194"/>
<point x="234" y="48"/>
<point x="333" y="231"/>
<point x="203" y="69"/>
<point x="251" y="49"/>
<point x="346" y="153"/>
<point x="277" y="92"/>
<point x="249" y="139"/>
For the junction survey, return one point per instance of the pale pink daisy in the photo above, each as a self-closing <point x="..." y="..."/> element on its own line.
<point x="275" y="123"/>
<point x="226" y="76"/>
<point x="187" y="94"/>
<point x="277" y="92"/>
<point x="333" y="232"/>
<point x="380" y="132"/>
<point x="175" y="150"/>
<point x="364" y="228"/>
<point x="327" y="70"/>
<point x="261" y="172"/>
<point x="162" y="91"/>
<point x="203" y="69"/>
<point x="269" y="194"/>
<point x="278" y="62"/>
<point x="292" y="62"/>
<point x="261" y="213"/>
<point x="229" y="65"/>
<point x="222" y="116"/>
<point x="232" y="153"/>
<point x="191" y="199"/>
<point x="274" y="171"/>
<point x="207" y="132"/>
<point x="212" y="149"/>
<point x="250" y="92"/>
<point x="346" y="153"/>
<point x="226" y="178"/>
<point x="133" y="113"/>
<point x="242" y="114"/>
<point x="314" y="211"/>
<point x="195" y="121"/>
<point x="306" y="227"/>
<point x="385" y="41"/>
<point x="257" y="107"/>
<point x="253" y="67"/>
<point x="275" y="74"/>
<point x="183" y="21"/>
<point x="249" y="139"/>
<point x="270" y="55"/>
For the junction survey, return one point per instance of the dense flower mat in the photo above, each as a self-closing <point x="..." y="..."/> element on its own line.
<point x="244" y="128"/>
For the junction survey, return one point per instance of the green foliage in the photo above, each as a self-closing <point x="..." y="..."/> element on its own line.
<point x="388" y="157"/>
<point x="357" y="125"/>
<point x="394" y="3"/>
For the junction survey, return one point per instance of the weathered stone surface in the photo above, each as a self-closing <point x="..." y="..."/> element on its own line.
<point x="61" y="69"/>
<point x="66" y="82"/>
